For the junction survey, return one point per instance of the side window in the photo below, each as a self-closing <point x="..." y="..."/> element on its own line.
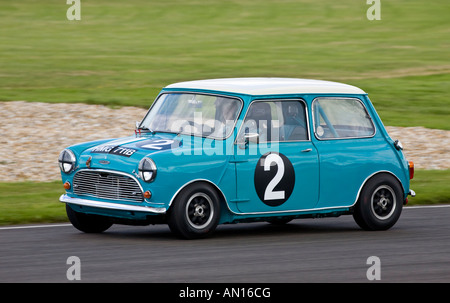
<point x="336" y="118"/>
<point x="275" y="121"/>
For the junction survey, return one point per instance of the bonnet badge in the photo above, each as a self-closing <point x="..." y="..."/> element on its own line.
<point x="88" y="162"/>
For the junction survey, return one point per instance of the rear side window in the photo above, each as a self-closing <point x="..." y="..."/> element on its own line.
<point x="340" y="118"/>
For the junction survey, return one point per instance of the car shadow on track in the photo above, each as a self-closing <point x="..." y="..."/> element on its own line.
<point x="296" y="227"/>
<point x="299" y="227"/>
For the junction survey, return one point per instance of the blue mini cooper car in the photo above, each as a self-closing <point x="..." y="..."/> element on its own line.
<point x="221" y="151"/>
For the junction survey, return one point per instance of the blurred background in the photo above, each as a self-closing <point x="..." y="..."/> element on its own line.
<point x="121" y="53"/>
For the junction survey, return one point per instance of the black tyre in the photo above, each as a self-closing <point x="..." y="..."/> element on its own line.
<point x="380" y="203"/>
<point x="195" y="212"/>
<point x="87" y="223"/>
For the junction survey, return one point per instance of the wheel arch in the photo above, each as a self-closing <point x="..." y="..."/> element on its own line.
<point x="223" y="200"/>
<point x="375" y="174"/>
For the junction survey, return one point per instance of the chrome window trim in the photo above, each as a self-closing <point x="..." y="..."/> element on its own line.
<point x="344" y="138"/>
<point x="278" y="100"/>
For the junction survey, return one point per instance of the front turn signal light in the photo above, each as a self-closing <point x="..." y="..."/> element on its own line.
<point x="67" y="185"/>
<point x="147" y="194"/>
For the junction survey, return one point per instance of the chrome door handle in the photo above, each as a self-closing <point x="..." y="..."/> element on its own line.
<point x="307" y="150"/>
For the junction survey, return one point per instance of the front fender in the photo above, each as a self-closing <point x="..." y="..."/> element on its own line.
<point x="176" y="172"/>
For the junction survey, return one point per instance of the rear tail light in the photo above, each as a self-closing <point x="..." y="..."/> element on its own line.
<point x="411" y="169"/>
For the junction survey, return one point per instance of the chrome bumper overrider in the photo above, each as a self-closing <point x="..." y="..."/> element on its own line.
<point x="412" y="193"/>
<point x="109" y="205"/>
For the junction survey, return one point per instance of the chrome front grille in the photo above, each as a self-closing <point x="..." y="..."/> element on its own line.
<point x="106" y="185"/>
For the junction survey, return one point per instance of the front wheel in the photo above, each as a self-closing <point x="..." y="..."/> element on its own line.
<point x="195" y="212"/>
<point x="380" y="203"/>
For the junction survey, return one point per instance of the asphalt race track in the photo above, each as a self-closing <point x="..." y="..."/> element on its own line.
<point x="416" y="249"/>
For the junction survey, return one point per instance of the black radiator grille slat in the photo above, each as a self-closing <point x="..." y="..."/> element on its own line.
<point x="106" y="185"/>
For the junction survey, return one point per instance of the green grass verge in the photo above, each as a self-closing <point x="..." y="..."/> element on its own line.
<point x="36" y="202"/>
<point x="123" y="53"/>
<point x="431" y="187"/>
<point x="31" y="202"/>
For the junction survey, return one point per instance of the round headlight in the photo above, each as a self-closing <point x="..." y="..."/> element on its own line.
<point x="147" y="170"/>
<point x="67" y="161"/>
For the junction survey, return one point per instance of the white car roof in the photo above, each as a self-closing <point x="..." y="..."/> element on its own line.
<point x="269" y="86"/>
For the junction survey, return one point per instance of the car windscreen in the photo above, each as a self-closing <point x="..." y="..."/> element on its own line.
<point x="193" y="114"/>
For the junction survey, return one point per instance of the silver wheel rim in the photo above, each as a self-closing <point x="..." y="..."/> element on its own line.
<point x="199" y="210"/>
<point x="383" y="202"/>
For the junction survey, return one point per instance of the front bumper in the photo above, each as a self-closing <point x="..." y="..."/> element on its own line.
<point x="110" y="205"/>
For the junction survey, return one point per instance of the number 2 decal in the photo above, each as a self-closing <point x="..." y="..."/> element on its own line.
<point x="274" y="178"/>
<point x="158" y="144"/>
<point x="269" y="193"/>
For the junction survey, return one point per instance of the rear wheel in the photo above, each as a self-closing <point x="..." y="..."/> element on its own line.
<point x="380" y="203"/>
<point x="87" y="223"/>
<point x="195" y="212"/>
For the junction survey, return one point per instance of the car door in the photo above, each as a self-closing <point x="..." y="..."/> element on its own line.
<point x="277" y="166"/>
<point x="344" y="135"/>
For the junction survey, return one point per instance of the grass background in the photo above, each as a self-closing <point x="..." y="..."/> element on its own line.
<point x="123" y="52"/>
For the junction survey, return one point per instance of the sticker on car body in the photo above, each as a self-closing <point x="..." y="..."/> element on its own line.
<point x="114" y="150"/>
<point x="159" y="144"/>
<point x="274" y="178"/>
